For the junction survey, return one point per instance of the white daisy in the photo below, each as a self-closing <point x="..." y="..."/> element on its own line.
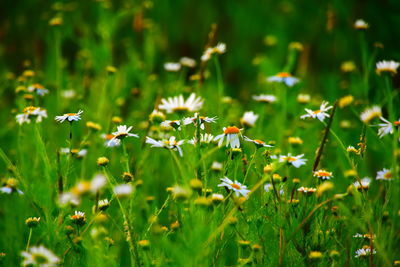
<point x="320" y="114"/>
<point x="265" y="98"/>
<point x="370" y="113"/>
<point x="257" y="142"/>
<point x="216" y="166"/>
<point x="168" y="144"/>
<point x="387" y="66"/>
<point x="40" y="90"/>
<point x="386" y="127"/>
<point x="172" y="66"/>
<point x="303" y="98"/>
<point x="123" y="190"/>
<point x="296" y="161"/>
<point x="219" y="49"/>
<point x="384" y="174"/>
<point x="360" y="24"/>
<point x="364" y="252"/>
<point x="40" y="256"/>
<point x="249" y="119"/>
<point x="70" y="117"/>
<point x="269" y="187"/>
<point x="363" y="184"/>
<point x="202" y="120"/>
<point x="188" y="62"/>
<point x="176" y="124"/>
<point x="323" y="174"/>
<point x="97" y="183"/>
<point x="122" y="132"/>
<point x="231" y="134"/>
<point x="307" y="190"/>
<point x="179" y="104"/>
<point x="31" y="112"/>
<point x="204" y="139"/>
<point x="284" y="77"/>
<point x="237" y="187"/>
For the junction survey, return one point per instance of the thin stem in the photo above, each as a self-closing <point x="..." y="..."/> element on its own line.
<point x="29" y="239"/>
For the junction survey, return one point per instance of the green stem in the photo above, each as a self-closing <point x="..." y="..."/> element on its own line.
<point x="29" y="239"/>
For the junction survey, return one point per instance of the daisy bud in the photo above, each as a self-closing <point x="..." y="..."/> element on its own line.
<point x="334" y="254"/>
<point x="180" y="193"/>
<point x="102" y="161"/>
<point x="101" y="218"/>
<point x="348" y="66"/>
<point x="232" y="220"/>
<point x="196" y="184"/>
<point x="175" y="225"/>
<point x="28" y="73"/>
<point x="217" y="199"/>
<point x="144" y="244"/>
<point x="256" y="247"/>
<point x="150" y="199"/>
<point x="315" y="255"/>
<point x="127" y="176"/>
<point x="324" y="187"/>
<point x="111" y="69"/>
<point x="57" y="21"/>
<point x="103" y="204"/>
<point x="78" y="218"/>
<point x="32" y="222"/>
<point x="268" y="169"/>
<point x="20" y="88"/>
<point x="93" y="126"/>
<point x="156" y="117"/>
<point x="244" y="243"/>
<point x="202" y="202"/>
<point x="350" y="174"/>
<point x="116" y="120"/>
<point x="295" y="141"/>
<point x="296" y="46"/>
<point x="28" y="97"/>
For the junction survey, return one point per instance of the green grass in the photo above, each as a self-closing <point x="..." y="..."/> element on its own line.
<point x="169" y="218"/>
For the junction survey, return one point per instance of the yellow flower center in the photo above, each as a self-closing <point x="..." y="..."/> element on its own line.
<point x="387" y="175"/>
<point x="323" y="174"/>
<point x="39" y="259"/>
<point x="317" y="111"/>
<point x="258" y="141"/>
<point x="283" y="74"/>
<point x="290" y="159"/>
<point x="236" y="186"/>
<point x="396" y="123"/>
<point x="231" y="130"/>
<point x="70" y="114"/>
<point x="178" y="109"/>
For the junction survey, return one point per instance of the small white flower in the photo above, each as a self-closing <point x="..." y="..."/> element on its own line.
<point x="197" y="118"/>
<point x="68" y="94"/>
<point x="361" y="25"/>
<point x="231" y="134"/>
<point x="122" y="132"/>
<point x="322" y="174"/>
<point x="296" y="161"/>
<point x="70" y="117"/>
<point x="387" y="66"/>
<point x="204" y="139"/>
<point x="257" y="142"/>
<point x="69" y="198"/>
<point x="31" y="112"/>
<point x="171" y="144"/>
<point x="249" y="119"/>
<point x="40" y="256"/>
<point x="284" y="77"/>
<point x="265" y="98"/>
<point x="176" y="124"/>
<point x="123" y="190"/>
<point x="216" y="166"/>
<point x="179" y="104"/>
<point x="237" y="187"/>
<point x="364" y="252"/>
<point x="370" y="113"/>
<point x="219" y="49"/>
<point x="269" y="187"/>
<point x="188" y="62"/>
<point x="172" y="66"/>
<point x="303" y="98"/>
<point x="97" y="183"/>
<point x="364" y="183"/>
<point x="384" y="174"/>
<point x="40" y="90"/>
<point x="307" y="190"/>
<point x="387" y="127"/>
<point x="320" y="114"/>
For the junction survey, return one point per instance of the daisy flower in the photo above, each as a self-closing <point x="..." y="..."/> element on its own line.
<point x="169" y="144"/>
<point x="303" y="98"/>
<point x="269" y="187"/>
<point x="40" y="90"/>
<point x="179" y="104"/>
<point x="176" y="124"/>
<point x="360" y="24"/>
<point x="296" y="161"/>
<point x="364" y="252"/>
<point x="31" y="112"/>
<point x="370" y="113"/>
<point x="264" y="98"/>
<point x="322" y="174"/>
<point x="123" y="190"/>
<point x="307" y="190"/>
<point x="40" y="256"/>
<point x="204" y="139"/>
<point x="122" y="132"/>
<point x="386" y="127"/>
<point x="364" y="185"/>
<point x="237" y="187"/>
<point x="188" y="62"/>
<point x="257" y="142"/>
<point x="219" y="49"/>
<point x="110" y="141"/>
<point x="216" y="166"/>
<point x="249" y="119"/>
<point x="231" y="134"/>
<point x="320" y="113"/>
<point x="172" y="66"/>
<point x="78" y="218"/>
<point x="384" y="174"/>
<point x="284" y="77"/>
<point x="11" y="186"/>
<point x="202" y="120"/>
<point x="387" y="66"/>
<point x="70" y="117"/>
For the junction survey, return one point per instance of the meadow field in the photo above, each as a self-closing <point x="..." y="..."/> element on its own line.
<point x="207" y="133"/>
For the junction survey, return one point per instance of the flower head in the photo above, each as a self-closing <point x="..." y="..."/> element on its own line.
<point x="370" y="113"/>
<point x="40" y="90"/>
<point x="257" y="142"/>
<point x="171" y="144"/>
<point x="40" y="256"/>
<point x="296" y="161"/>
<point x="387" y="67"/>
<point x="284" y="77"/>
<point x="386" y="127"/>
<point x="319" y="114"/>
<point x="249" y="119"/>
<point x="196" y="118"/>
<point x="384" y="174"/>
<point x="176" y="124"/>
<point x="70" y="117"/>
<point x="231" y="134"/>
<point x="220" y="48"/>
<point x="363" y="184"/>
<point x="179" y="104"/>
<point x="307" y="190"/>
<point x="364" y="252"/>
<point x="78" y="218"/>
<point x="264" y="98"/>
<point x="31" y="112"/>
<point x="322" y="174"/>
<point x="360" y="24"/>
<point x="172" y="66"/>
<point x="122" y="132"/>
<point x="123" y="190"/>
<point x="204" y="139"/>
<point x="188" y="62"/>
<point x="237" y="187"/>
